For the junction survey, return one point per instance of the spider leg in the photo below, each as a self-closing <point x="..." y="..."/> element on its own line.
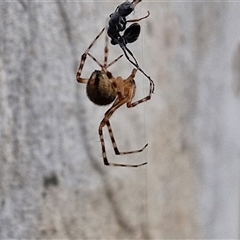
<point x="139" y="19"/>
<point x="83" y="59"/>
<point x="105" y="51"/>
<point x="131" y="104"/>
<point x="118" y="103"/>
<point x="117" y="152"/>
<point x="95" y="60"/>
<point x="111" y="63"/>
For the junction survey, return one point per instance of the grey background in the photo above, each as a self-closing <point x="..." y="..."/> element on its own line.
<point x="53" y="184"/>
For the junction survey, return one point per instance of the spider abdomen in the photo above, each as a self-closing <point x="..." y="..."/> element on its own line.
<point x="99" y="89"/>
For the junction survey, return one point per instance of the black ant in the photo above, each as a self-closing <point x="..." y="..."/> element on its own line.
<point x="117" y="23"/>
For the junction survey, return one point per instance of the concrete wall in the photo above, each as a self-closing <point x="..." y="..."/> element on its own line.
<point x="53" y="184"/>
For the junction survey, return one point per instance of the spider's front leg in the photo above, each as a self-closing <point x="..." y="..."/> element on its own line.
<point x="83" y="59"/>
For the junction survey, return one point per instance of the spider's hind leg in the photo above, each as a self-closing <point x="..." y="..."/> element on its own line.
<point x="104" y="154"/>
<point x="114" y="144"/>
<point x="118" y="103"/>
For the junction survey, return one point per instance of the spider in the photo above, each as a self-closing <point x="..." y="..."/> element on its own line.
<point x="102" y="89"/>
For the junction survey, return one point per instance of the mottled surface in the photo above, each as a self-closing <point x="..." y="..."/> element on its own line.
<point x="53" y="184"/>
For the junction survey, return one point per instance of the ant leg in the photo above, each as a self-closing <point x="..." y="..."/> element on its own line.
<point x="124" y="48"/>
<point x="135" y="2"/>
<point x="152" y="84"/>
<point x="139" y="19"/>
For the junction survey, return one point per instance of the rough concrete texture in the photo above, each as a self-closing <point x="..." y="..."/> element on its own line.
<point x="53" y="184"/>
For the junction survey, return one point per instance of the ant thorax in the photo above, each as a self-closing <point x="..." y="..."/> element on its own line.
<point x="100" y="89"/>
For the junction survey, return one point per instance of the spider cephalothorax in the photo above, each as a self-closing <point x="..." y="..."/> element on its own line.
<point x="103" y="89"/>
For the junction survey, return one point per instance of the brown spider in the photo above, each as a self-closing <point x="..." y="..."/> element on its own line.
<point x="103" y="89"/>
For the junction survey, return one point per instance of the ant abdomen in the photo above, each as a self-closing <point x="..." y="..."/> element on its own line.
<point x="100" y="89"/>
<point x="131" y="34"/>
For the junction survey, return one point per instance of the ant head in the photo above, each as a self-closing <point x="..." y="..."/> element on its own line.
<point x="131" y="34"/>
<point x="125" y="8"/>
